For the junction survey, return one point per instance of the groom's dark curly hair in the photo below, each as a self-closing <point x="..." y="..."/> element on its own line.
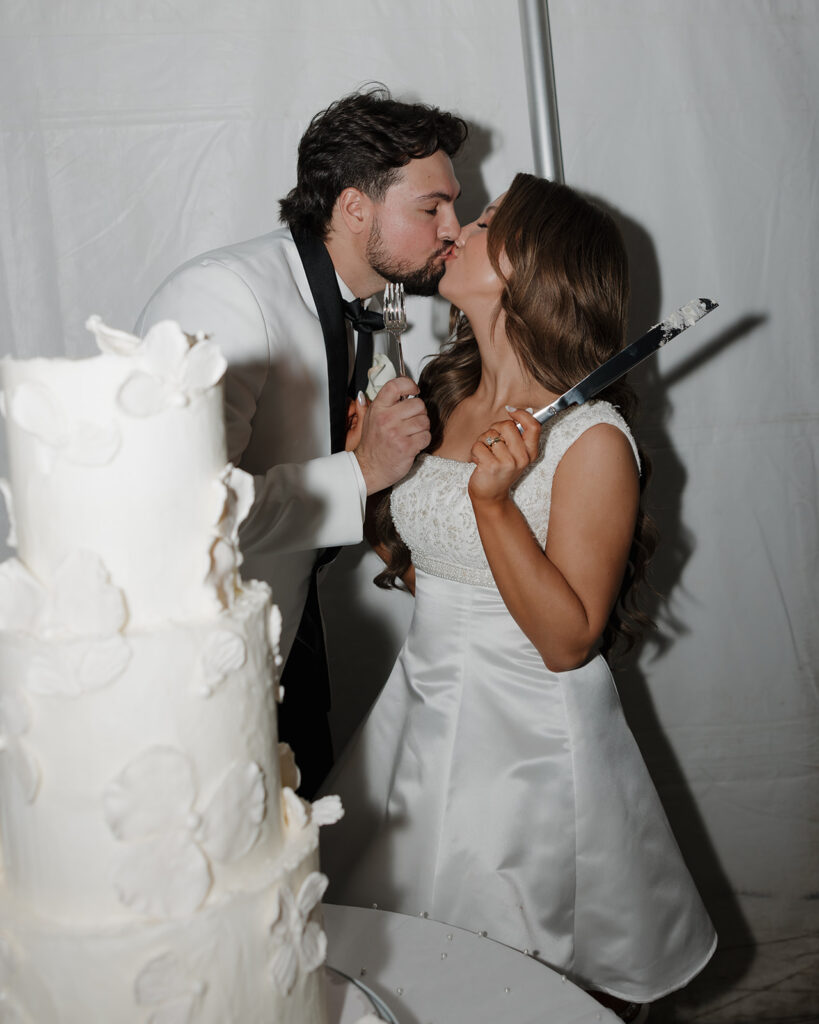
<point x="362" y="141"/>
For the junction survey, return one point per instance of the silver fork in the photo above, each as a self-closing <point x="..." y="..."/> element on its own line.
<point x="395" y="320"/>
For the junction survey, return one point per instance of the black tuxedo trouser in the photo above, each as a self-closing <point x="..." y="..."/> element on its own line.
<point x="302" y="715"/>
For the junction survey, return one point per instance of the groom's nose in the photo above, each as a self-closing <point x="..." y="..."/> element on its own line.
<point x="449" y="228"/>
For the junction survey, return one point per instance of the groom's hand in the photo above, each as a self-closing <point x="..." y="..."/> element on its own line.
<point x="396" y="428"/>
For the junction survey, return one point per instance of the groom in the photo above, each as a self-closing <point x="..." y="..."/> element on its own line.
<point x="373" y="202"/>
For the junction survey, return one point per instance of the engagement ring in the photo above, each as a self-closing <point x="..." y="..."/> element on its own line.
<point x="493" y="440"/>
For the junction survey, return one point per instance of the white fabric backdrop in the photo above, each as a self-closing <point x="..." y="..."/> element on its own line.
<point x="136" y="133"/>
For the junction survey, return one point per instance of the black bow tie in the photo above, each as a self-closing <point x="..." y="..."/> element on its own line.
<point x="363" y="319"/>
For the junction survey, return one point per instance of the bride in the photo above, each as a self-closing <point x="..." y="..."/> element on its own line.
<point x="495" y="784"/>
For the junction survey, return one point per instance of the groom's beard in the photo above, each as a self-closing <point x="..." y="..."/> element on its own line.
<point x="421" y="280"/>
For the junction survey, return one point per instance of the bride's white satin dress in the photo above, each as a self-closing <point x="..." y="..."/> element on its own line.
<point x="497" y="796"/>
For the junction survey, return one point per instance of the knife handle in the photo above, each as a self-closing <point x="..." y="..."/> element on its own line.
<point x="546" y="413"/>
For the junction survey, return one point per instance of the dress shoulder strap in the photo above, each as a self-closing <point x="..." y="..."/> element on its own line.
<point x="567" y="427"/>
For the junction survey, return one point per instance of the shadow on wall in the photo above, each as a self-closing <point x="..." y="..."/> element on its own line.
<point x="664" y="502"/>
<point x="468" y="169"/>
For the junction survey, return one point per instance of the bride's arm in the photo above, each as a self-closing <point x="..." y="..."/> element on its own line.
<point x="561" y="597"/>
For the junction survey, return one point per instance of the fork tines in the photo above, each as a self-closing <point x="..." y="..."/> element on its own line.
<point x="395" y="318"/>
<point x="394" y="315"/>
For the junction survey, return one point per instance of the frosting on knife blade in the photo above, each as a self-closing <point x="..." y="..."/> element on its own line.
<point x="685" y="316"/>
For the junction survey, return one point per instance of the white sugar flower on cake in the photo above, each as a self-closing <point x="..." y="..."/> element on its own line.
<point x="237" y="491"/>
<point x="163" y="876"/>
<point x="299" y="944"/>
<point x="224" y="652"/>
<point x="274" y="635"/>
<point x="289" y="773"/>
<point x="327" y="810"/>
<point x="222" y="575"/>
<point x="168" y="985"/>
<point x="233" y="492"/>
<point x="298" y="813"/>
<point x="22" y="598"/>
<point x="38" y="411"/>
<point x="171" y="367"/>
<point x="71" y="669"/>
<point x="5" y="490"/>
<point x="84" y="604"/>
<point x="151" y="806"/>
<point x="109" y="339"/>
<point x="15" y="722"/>
<point x="83" y="601"/>
<point x="83" y="613"/>
<point x="231" y="823"/>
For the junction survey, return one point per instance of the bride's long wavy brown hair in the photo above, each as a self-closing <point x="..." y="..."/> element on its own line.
<point x="565" y="300"/>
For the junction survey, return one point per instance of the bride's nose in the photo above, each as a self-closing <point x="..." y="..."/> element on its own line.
<point x="466" y="231"/>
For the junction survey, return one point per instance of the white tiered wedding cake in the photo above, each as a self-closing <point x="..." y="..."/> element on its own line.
<point x="157" y="866"/>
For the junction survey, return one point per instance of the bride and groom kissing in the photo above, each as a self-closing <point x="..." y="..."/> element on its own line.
<point x="495" y="784"/>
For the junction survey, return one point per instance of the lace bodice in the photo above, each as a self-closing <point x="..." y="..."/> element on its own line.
<point x="432" y="511"/>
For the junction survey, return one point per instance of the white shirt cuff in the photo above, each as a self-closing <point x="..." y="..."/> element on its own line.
<point x="362" y="487"/>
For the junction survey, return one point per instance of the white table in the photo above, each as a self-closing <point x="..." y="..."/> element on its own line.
<point x="431" y="973"/>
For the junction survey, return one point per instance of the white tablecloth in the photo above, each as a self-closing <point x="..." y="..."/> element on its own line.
<point x="431" y="973"/>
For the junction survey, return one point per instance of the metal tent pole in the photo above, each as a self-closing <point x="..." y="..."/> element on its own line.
<point x="540" y="88"/>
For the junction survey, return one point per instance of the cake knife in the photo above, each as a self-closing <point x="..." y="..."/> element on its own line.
<point x="629" y="357"/>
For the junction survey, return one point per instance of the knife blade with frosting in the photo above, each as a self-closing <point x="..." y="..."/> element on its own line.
<point x="632" y="355"/>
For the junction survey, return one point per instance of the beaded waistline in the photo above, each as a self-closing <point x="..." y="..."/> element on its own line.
<point x="474" y="575"/>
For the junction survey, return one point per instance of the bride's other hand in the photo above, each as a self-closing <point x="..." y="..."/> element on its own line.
<point x="356" y="412"/>
<point x="499" y="463"/>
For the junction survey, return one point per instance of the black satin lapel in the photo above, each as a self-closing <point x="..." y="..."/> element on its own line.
<point x="321" y="277"/>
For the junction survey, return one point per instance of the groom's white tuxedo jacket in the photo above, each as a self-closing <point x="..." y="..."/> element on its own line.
<point x="254" y="301"/>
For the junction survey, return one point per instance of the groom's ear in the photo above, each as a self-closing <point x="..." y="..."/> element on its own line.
<point x="355" y="210"/>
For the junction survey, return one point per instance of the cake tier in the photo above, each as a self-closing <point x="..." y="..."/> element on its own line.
<point x="251" y="958"/>
<point x="139" y="775"/>
<point x="124" y="454"/>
